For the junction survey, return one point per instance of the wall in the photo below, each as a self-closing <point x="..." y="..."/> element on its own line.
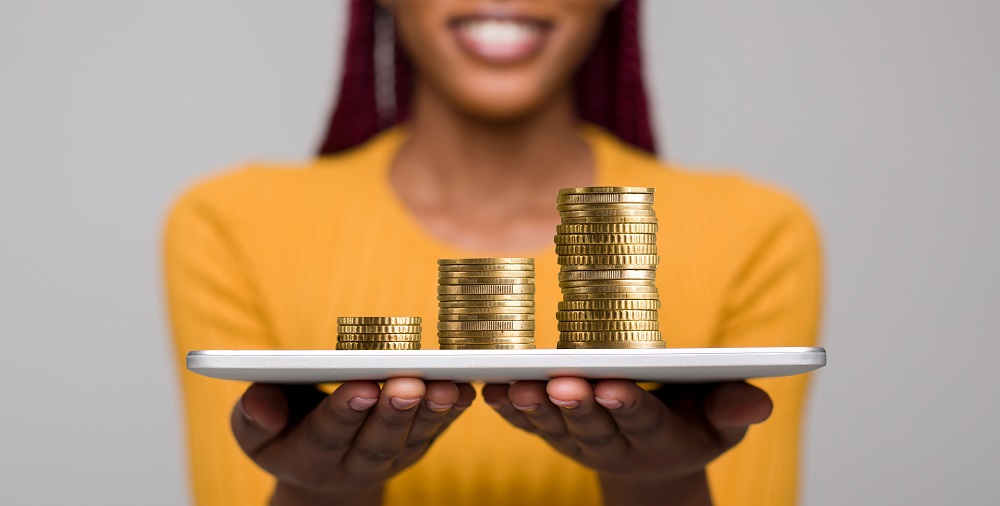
<point x="880" y="115"/>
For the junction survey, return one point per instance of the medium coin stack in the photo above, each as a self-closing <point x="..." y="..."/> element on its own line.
<point x="606" y="247"/>
<point x="378" y="333"/>
<point x="486" y="304"/>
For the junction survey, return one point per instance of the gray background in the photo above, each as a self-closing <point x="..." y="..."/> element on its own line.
<point x="880" y="114"/>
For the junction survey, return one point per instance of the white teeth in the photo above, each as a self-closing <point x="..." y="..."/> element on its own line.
<point x="499" y="32"/>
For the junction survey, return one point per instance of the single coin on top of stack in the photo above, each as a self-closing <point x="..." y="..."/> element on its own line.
<point x="378" y="333"/>
<point x="486" y="304"/>
<point x="606" y="247"/>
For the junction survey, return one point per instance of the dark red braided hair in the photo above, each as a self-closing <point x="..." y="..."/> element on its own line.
<point x="608" y="88"/>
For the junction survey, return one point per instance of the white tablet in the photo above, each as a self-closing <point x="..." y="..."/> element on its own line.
<point x="673" y="365"/>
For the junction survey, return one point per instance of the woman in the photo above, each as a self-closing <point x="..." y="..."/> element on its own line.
<point x="269" y="256"/>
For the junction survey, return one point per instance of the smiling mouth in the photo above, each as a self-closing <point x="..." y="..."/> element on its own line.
<point x="500" y="40"/>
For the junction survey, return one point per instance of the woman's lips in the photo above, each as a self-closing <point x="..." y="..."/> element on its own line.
<point x="500" y="40"/>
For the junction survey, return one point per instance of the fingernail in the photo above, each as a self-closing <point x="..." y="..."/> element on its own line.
<point x="564" y="404"/>
<point x="440" y="408"/>
<point x="403" y="404"/>
<point x="494" y="405"/>
<point x="525" y="407"/>
<point x="245" y="413"/>
<point x="361" y="403"/>
<point x="460" y="408"/>
<point x="609" y="403"/>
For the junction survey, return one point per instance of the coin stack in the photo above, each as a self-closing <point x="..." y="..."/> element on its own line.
<point x="606" y="247"/>
<point x="486" y="304"/>
<point x="378" y="333"/>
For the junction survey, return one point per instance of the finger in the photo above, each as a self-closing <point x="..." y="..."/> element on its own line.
<point x="439" y="399"/>
<point x="732" y="407"/>
<point x="424" y="432"/>
<point x="382" y="437"/>
<point x="496" y="396"/>
<point x="638" y="414"/>
<point x="466" y="395"/>
<point x="531" y="398"/>
<point x="588" y="423"/>
<point x="260" y="414"/>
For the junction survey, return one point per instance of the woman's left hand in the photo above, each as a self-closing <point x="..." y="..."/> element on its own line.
<point x="647" y="447"/>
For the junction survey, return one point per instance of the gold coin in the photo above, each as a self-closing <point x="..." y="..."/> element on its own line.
<point x="415" y="345"/>
<point x="379" y="329"/>
<point x="604" y="198"/>
<point x="617" y="206"/>
<point x="471" y="268"/>
<point x="488" y="347"/>
<point x="609" y="326"/>
<point x="379" y="320"/>
<point x="601" y="213"/>
<point x="606" y="249"/>
<point x="487" y="325"/>
<point x="615" y="260"/>
<point x="482" y="334"/>
<point x="607" y="228"/>
<point x="486" y="274"/>
<point x="478" y="317"/>
<point x="605" y="239"/>
<point x="486" y="310"/>
<point x="609" y="220"/>
<point x="582" y="267"/>
<point x="616" y="345"/>
<point x="470" y="304"/>
<point x="605" y="189"/>
<point x="519" y="289"/>
<point x="485" y="289"/>
<point x="485" y="297"/>
<point x="608" y="314"/>
<point x="611" y="295"/>
<point x="612" y="335"/>
<point x="610" y="289"/>
<point x="486" y="281"/>
<point x="371" y="338"/>
<point x="451" y="341"/>
<point x="485" y="261"/>
<point x="609" y="305"/>
<point x="606" y="282"/>
<point x="607" y="275"/>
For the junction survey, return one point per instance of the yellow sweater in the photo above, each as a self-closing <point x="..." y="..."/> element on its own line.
<point x="267" y="257"/>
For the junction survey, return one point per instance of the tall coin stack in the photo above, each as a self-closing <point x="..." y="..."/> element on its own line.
<point x="378" y="333"/>
<point x="486" y="304"/>
<point x="606" y="247"/>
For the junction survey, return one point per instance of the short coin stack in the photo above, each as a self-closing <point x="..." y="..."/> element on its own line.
<point x="606" y="247"/>
<point x="378" y="333"/>
<point x="486" y="304"/>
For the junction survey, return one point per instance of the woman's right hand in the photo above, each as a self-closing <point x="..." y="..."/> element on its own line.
<point x="342" y="447"/>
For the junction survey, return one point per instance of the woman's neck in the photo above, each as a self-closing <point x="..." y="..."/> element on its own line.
<point x="490" y="185"/>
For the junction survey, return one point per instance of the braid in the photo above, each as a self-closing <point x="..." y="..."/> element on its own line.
<point x="608" y="88"/>
<point x="355" y="118"/>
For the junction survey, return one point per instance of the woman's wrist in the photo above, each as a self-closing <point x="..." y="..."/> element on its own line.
<point x="690" y="490"/>
<point x="286" y="494"/>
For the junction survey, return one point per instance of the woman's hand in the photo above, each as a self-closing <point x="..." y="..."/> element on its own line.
<point x="647" y="447"/>
<point x="342" y="447"/>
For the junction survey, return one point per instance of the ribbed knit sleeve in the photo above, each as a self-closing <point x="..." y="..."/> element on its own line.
<point x="213" y="305"/>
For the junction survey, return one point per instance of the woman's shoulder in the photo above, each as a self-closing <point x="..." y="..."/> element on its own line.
<point x="262" y="186"/>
